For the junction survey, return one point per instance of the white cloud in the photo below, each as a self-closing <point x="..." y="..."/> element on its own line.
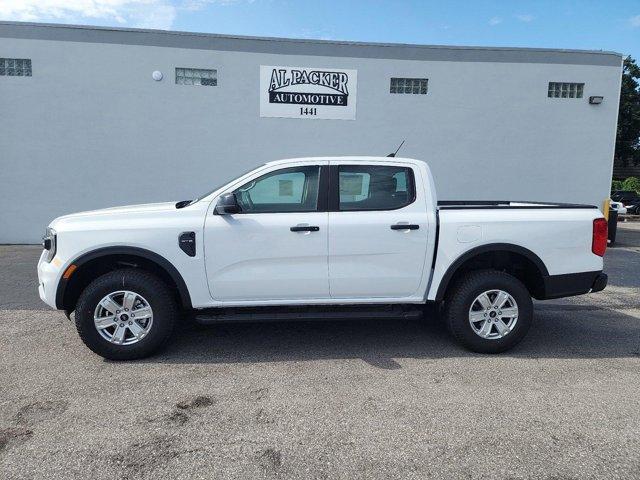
<point x="495" y="21"/>
<point x="160" y="17"/>
<point x="635" y="21"/>
<point x="526" y="17"/>
<point x="194" y="5"/>
<point x="137" y="13"/>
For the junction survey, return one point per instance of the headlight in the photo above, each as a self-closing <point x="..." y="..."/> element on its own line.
<point x="49" y="243"/>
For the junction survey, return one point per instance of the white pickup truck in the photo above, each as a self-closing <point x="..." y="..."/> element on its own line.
<point x="318" y="237"/>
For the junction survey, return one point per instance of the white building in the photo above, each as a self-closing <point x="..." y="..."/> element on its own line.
<point x="96" y="117"/>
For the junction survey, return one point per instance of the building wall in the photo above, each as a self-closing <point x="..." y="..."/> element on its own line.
<point x="91" y="129"/>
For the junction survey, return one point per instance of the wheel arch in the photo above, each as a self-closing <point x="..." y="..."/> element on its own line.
<point x="102" y="260"/>
<point x="514" y="259"/>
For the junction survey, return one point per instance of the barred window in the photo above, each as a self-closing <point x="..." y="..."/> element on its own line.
<point x="565" y="90"/>
<point x="15" y="67"/>
<point x="196" y="76"/>
<point x="409" y="85"/>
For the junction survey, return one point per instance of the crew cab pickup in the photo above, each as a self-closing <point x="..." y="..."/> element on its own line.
<point x="318" y="237"/>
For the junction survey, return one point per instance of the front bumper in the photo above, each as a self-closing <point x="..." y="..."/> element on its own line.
<point x="48" y="274"/>
<point x="568" y="285"/>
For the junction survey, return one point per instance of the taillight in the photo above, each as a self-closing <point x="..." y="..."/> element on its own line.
<point x="600" y="234"/>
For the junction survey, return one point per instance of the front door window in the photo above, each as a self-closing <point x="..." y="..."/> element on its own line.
<point x="286" y="190"/>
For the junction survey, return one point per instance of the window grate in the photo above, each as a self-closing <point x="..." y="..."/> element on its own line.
<point x="15" y="67"/>
<point x="196" y="76"/>
<point x="565" y="90"/>
<point x="414" y="86"/>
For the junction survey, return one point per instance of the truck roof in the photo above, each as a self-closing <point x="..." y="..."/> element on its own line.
<point x="360" y="158"/>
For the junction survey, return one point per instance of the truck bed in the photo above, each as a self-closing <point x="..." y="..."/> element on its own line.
<point x="505" y="204"/>
<point x="556" y="236"/>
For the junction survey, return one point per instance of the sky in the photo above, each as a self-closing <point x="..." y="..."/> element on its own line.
<point x="593" y="25"/>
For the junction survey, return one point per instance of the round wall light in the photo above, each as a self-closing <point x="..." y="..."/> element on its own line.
<point x="157" y="75"/>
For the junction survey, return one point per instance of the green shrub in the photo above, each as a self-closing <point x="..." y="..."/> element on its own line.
<point x="631" y="183"/>
<point x="616" y="185"/>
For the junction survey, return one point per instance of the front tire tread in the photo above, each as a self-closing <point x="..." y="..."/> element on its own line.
<point x="163" y="304"/>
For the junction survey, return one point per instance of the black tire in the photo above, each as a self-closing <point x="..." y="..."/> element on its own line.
<point x="154" y="291"/>
<point x="461" y="296"/>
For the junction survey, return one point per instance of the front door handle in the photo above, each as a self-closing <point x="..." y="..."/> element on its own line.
<point x="404" y="226"/>
<point x="304" y="228"/>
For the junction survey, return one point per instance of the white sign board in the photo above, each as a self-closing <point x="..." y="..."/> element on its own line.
<point x="300" y="92"/>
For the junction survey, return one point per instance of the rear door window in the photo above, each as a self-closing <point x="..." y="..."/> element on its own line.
<point x="374" y="187"/>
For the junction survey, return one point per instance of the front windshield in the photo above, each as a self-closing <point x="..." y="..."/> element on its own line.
<point x="224" y="183"/>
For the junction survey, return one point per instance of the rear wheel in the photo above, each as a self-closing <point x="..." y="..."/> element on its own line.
<point x="488" y="311"/>
<point x="126" y="314"/>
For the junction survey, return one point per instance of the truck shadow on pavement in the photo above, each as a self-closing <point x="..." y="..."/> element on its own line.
<point x="559" y="331"/>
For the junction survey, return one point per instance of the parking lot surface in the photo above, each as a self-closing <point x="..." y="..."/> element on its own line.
<point x="348" y="399"/>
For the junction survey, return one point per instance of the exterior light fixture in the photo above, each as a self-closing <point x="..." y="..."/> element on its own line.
<point x="157" y="76"/>
<point x="597" y="100"/>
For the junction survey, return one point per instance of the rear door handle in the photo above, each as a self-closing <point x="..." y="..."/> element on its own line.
<point x="404" y="226"/>
<point x="304" y="228"/>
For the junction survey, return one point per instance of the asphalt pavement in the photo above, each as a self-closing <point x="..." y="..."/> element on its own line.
<point x="340" y="399"/>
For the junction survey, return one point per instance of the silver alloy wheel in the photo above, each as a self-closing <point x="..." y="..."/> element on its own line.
<point x="123" y="317"/>
<point x="493" y="314"/>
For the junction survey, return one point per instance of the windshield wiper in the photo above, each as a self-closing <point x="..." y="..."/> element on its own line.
<point x="184" y="203"/>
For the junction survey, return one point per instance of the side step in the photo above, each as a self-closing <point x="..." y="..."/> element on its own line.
<point x="284" y="314"/>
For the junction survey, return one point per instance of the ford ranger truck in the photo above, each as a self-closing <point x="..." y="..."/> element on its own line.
<point x="342" y="237"/>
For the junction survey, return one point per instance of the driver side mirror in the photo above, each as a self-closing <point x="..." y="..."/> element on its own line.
<point x="227" y="205"/>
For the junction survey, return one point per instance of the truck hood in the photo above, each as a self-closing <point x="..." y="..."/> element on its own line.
<point x="114" y="212"/>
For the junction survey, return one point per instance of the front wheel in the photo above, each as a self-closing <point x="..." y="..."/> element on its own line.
<point x="488" y="311"/>
<point x="126" y="314"/>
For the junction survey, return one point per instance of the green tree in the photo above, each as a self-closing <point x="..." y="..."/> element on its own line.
<point x="628" y="135"/>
